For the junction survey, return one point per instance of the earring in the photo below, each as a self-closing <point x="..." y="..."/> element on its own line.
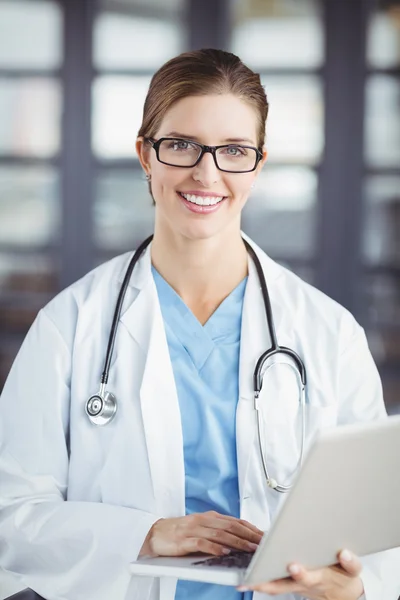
<point x="148" y="176"/>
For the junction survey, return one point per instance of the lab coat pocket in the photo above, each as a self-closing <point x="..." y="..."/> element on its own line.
<point x="281" y="421"/>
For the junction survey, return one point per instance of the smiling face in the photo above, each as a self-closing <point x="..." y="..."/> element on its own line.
<point x="202" y="201"/>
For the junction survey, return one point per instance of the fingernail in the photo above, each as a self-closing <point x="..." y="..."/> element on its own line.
<point x="242" y="588"/>
<point x="294" y="569"/>
<point x="226" y="550"/>
<point x="252" y="546"/>
<point x="346" y="555"/>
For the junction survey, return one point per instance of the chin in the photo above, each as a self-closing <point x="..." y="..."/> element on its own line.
<point x="202" y="231"/>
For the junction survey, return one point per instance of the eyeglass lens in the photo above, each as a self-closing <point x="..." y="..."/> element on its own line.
<point x="182" y="153"/>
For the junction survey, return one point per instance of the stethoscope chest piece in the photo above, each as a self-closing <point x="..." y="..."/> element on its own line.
<point x="101" y="408"/>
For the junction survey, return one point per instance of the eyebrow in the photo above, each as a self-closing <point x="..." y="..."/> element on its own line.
<point x="185" y="136"/>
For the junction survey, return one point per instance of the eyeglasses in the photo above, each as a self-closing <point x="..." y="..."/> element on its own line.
<point x="230" y="158"/>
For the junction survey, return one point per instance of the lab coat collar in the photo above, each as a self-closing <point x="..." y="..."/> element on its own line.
<point x="141" y="274"/>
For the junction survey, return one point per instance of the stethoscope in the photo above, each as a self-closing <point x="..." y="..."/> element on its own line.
<point x="102" y="407"/>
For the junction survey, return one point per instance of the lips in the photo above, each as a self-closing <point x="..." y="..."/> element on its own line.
<point x="202" y="200"/>
<point x="202" y="209"/>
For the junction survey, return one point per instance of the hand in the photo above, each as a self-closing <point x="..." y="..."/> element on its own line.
<point x="207" y="532"/>
<point x="338" y="582"/>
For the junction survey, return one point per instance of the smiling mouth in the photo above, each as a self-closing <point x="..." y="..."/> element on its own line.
<point x="202" y="200"/>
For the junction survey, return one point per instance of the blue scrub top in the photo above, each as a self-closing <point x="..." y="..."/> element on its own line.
<point x="205" y="362"/>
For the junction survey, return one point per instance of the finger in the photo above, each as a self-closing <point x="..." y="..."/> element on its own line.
<point x="350" y="563"/>
<point x="201" y="544"/>
<point x="230" y="518"/>
<point x="234" y="528"/>
<point x="242" y="522"/>
<point x="300" y="581"/>
<point x="279" y="586"/>
<point x="306" y="578"/>
<point x="224" y="538"/>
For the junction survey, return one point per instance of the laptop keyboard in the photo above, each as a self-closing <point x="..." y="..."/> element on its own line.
<point x="236" y="560"/>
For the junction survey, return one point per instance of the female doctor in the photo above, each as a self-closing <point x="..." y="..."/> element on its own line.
<point x="170" y="462"/>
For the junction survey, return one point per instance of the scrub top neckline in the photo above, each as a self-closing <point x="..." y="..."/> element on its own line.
<point x="171" y="297"/>
<point x="200" y="340"/>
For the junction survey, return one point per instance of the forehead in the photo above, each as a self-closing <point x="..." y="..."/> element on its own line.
<point x="211" y="119"/>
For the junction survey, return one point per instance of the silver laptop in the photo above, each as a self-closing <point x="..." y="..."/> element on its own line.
<point x="346" y="495"/>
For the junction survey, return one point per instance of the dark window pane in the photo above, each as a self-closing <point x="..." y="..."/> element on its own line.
<point x="381" y="232"/>
<point x="382" y="295"/>
<point x="382" y="121"/>
<point x="123" y="212"/>
<point x="16" y="317"/>
<point x="30" y="113"/>
<point x="384" y="343"/>
<point x="391" y="393"/>
<point x="27" y="283"/>
<point x="29" y="206"/>
<point x="8" y="352"/>
<point x="280" y="214"/>
<point x="278" y="34"/>
<point x="30" y="34"/>
<point x="27" y="274"/>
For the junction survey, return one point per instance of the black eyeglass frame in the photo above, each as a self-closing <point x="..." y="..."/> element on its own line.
<point x="203" y="149"/>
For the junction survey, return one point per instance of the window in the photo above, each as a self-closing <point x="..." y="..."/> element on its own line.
<point x="284" y="42"/>
<point x="381" y="222"/>
<point x="30" y="141"/>
<point x="123" y="211"/>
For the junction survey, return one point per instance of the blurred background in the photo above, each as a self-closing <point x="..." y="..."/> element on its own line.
<point x="73" y="77"/>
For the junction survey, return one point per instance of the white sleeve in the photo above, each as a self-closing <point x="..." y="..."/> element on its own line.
<point x="61" y="549"/>
<point x="361" y="399"/>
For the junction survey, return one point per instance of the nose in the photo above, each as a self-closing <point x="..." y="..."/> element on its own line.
<point x="206" y="171"/>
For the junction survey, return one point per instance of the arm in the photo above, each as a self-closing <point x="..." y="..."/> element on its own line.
<point x="61" y="549"/>
<point x="375" y="577"/>
<point x="361" y="399"/>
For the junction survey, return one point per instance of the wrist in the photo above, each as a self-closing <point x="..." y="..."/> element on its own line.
<point x="147" y="547"/>
<point x="360" y="590"/>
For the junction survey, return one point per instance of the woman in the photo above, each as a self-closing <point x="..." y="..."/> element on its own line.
<point x="177" y="469"/>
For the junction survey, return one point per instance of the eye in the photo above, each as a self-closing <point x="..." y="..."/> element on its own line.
<point x="235" y="151"/>
<point x="180" y="145"/>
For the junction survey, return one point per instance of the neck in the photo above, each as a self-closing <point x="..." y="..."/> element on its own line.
<point x="202" y="271"/>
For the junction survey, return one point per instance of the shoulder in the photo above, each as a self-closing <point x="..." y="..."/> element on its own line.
<point x="95" y="292"/>
<point x="306" y="307"/>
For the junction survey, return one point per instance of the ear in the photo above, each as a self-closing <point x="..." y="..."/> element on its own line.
<point x="264" y="158"/>
<point x="143" y="152"/>
<point x="262" y="161"/>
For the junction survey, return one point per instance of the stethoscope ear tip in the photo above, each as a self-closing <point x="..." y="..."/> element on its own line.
<point x="272" y="483"/>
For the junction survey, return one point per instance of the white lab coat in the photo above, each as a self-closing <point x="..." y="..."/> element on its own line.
<point x="77" y="500"/>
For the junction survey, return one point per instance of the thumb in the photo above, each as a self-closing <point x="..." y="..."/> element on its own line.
<point x="350" y="563"/>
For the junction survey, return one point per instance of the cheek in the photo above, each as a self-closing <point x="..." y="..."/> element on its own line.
<point x="164" y="180"/>
<point x="241" y="187"/>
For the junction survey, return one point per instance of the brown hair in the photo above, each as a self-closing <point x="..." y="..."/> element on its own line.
<point x="198" y="73"/>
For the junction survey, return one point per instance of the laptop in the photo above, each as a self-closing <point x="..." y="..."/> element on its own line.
<point x="347" y="495"/>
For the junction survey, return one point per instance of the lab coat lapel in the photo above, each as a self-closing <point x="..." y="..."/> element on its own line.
<point x="158" y="396"/>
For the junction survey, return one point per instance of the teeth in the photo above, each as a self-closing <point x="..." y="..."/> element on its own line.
<point x="203" y="201"/>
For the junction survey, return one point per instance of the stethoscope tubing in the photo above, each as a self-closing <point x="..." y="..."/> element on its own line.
<point x="118" y="308"/>
<point x="102" y="407"/>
